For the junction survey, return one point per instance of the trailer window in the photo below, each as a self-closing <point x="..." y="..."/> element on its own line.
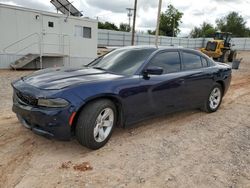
<point x="84" y="32"/>
<point x="51" y="24"/>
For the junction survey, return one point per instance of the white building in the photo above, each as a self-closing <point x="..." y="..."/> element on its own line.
<point x="34" y="38"/>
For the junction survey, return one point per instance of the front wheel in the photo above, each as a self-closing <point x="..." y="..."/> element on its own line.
<point x="214" y="99"/>
<point x="95" y="124"/>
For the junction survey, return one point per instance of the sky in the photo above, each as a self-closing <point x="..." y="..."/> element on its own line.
<point x="195" y="11"/>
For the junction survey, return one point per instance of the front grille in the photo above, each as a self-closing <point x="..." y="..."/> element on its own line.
<point x="26" y="98"/>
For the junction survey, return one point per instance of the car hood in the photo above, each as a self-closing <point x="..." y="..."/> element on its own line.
<point x="58" y="78"/>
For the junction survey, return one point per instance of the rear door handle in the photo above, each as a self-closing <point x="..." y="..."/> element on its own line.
<point x="181" y="81"/>
<point x="210" y="75"/>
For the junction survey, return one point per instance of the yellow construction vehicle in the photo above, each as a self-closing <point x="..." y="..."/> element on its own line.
<point x="220" y="48"/>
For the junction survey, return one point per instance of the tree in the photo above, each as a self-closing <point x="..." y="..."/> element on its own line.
<point x="170" y="21"/>
<point x="124" y="27"/>
<point x="150" y="32"/>
<point x="233" y="23"/>
<point x="107" y="25"/>
<point x="205" y="30"/>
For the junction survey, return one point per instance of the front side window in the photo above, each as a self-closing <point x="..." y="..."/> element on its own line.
<point x="169" y="61"/>
<point x="122" y="61"/>
<point x="191" y="61"/>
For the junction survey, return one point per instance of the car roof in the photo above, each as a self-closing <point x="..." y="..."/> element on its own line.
<point x="153" y="47"/>
<point x="160" y="48"/>
<point x="157" y="48"/>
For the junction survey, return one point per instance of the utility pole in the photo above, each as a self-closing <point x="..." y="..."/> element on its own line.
<point x="173" y="26"/>
<point x="129" y="16"/>
<point x="158" y="23"/>
<point x="133" y="29"/>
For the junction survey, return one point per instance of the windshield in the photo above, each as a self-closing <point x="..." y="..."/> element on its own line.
<point x="122" y="61"/>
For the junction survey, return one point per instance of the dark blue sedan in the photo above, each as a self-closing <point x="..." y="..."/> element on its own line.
<point x="120" y="88"/>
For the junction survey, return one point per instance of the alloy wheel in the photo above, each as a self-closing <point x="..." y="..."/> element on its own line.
<point x="215" y="98"/>
<point x="104" y="124"/>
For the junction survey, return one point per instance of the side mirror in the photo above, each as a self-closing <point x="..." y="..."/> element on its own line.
<point x="153" y="70"/>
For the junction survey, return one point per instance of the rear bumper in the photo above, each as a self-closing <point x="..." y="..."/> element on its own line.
<point x="48" y="123"/>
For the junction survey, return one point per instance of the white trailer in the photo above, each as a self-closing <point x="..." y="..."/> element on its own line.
<point x="37" y="39"/>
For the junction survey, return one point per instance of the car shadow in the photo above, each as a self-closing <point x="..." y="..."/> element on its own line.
<point x="73" y="146"/>
<point x="155" y="123"/>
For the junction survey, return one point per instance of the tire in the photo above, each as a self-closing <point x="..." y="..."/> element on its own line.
<point x="208" y="106"/>
<point x="225" y="56"/>
<point x="232" y="55"/>
<point x="92" y="119"/>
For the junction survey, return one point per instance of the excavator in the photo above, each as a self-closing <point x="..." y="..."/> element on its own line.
<point x="220" y="48"/>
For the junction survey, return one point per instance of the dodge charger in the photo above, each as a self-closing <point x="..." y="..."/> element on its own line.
<point x="121" y="88"/>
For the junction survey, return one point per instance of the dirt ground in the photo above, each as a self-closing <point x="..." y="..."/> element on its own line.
<point x="186" y="149"/>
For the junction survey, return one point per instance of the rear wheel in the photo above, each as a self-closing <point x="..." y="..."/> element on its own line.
<point x="214" y="99"/>
<point x="232" y="55"/>
<point x="95" y="123"/>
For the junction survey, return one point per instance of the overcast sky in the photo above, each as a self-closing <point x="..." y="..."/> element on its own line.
<point x="195" y="11"/>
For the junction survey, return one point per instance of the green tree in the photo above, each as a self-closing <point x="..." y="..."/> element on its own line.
<point x="124" y="27"/>
<point x="107" y="25"/>
<point x="233" y="23"/>
<point x="170" y="21"/>
<point x="205" y="30"/>
<point x="150" y="32"/>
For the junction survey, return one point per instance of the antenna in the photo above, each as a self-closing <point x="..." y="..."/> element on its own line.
<point x="65" y="7"/>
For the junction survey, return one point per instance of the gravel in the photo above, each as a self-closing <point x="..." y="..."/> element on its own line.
<point x="185" y="149"/>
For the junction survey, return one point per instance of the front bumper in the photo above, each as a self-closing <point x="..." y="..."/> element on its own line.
<point x="44" y="121"/>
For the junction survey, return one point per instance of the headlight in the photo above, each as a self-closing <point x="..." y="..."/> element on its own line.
<point x="54" y="103"/>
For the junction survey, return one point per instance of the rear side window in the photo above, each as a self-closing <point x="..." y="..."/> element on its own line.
<point x="204" y="62"/>
<point x="169" y="61"/>
<point x="210" y="62"/>
<point x="191" y="61"/>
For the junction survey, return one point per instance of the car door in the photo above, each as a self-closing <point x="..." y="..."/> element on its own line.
<point x="164" y="92"/>
<point x="198" y="78"/>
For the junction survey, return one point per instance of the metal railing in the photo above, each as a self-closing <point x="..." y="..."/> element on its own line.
<point x="21" y="40"/>
<point x="16" y="54"/>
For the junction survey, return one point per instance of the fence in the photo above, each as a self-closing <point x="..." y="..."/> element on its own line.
<point x="118" y="38"/>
